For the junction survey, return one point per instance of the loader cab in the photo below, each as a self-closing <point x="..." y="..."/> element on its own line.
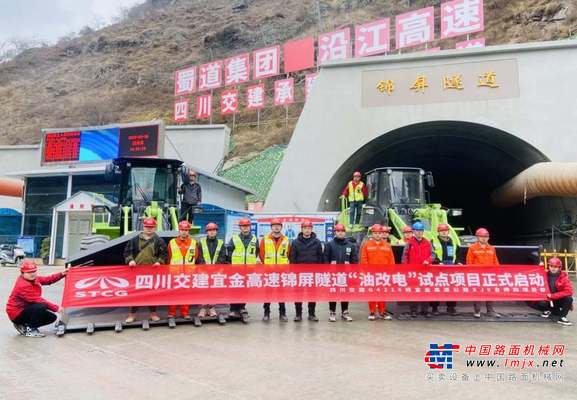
<point x="400" y="189"/>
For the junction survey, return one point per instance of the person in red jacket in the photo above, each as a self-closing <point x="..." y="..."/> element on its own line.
<point x="418" y="250"/>
<point x="559" y="301"/>
<point x="26" y="308"/>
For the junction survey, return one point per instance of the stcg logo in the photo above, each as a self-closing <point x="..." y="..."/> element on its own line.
<point x="101" y="286"/>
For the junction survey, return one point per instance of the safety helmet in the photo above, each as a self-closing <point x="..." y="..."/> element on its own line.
<point x="275" y="221"/>
<point x="443" y="227"/>
<point x="376" y="228"/>
<point x="340" y="227"/>
<point x="244" y="222"/>
<point x="357" y="173"/>
<point x="184" y="226"/>
<point x="482" y="232"/>
<point x="407" y="229"/>
<point x="306" y="224"/>
<point x="28" y="266"/>
<point x="211" y="226"/>
<point x="149" y="222"/>
<point x="556" y="262"/>
<point x="418" y="226"/>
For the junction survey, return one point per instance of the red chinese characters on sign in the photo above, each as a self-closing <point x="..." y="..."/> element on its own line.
<point x="210" y="75"/>
<point x="284" y="92"/>
<point x="61" y="146"/>
<point x="203" y="106"/>
<point x="255" y="97"/>
<point x="181" y="110"/>
<point x="299" y="54"/>
<point x="266" y="62"/>
<point x="228" y="102"/>
<point x="309" y="80"/>
<point x="334" y="46"/>
<point x="184" y="81"/>
<point x="461" y="17"/>
<point x="162" y="285"/>
<point x="471" y="44"/>
<point x="372" y="38"/>
<point x="237" y="69"/>
<point x="415" y="27"/>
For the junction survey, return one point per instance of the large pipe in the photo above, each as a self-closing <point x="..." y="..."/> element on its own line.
<point x="11" y="187"/>
<point x="542" y="179"/>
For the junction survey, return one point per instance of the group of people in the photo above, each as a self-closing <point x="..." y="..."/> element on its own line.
<point x="28" y="310"/>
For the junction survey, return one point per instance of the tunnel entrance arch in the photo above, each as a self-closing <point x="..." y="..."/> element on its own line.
<point x="468" y="161"/>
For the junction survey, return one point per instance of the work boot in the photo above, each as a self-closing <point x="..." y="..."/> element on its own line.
<point x="385" y="316"/>
<point x="435" y="311"/>
<point x="130" y="319"/>
<point x="266" y="317"/>
<point x="202" y="313"/>
<point x="154" y="317"/>
<point x="477" y="314"/>
<point x="20" y="328"/>
<point x="546" y="314"/>
<point x="197" y="322"/>
<point x="493" y="314"/>
<point x="283" y="318"/>
<point x="346" y="316"/>
<point x="332" y="316"/>
<point x="452" y="311"/>
<point x="313" y="317"/>
<point x="298" y="318"/>
<point x="564" y="321"/>
<point x="372" y="317"/>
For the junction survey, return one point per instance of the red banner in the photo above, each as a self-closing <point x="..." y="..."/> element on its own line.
<point x="215" y="284"/>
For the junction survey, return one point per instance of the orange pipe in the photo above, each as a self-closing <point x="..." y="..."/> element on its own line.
<point x="11" y="187"/>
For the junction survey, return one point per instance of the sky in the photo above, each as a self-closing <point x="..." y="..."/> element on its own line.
<point x="49" y="20"/>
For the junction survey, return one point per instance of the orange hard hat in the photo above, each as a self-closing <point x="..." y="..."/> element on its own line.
<point x="211" y="226"/>
<point x="28" y="266"/>
<point x="149" y="222"/>
<point x="184" y="226"/>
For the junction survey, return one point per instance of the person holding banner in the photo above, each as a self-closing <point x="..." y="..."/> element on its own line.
<point x="274" y="249"/>
<point x="559" y="301"/>
<point x="482" y="253"/>
<point x="377" y="250"/>
<point x="340" y="250"/>
<point x="26" y="308"/>
<point x="146" y="248"/>
<point x="243" y="249"/>
<point x="306" y="249"/>
<point x="211" y="251"/>
<point x="182" y="253"/>
<point x="418" y="250"/>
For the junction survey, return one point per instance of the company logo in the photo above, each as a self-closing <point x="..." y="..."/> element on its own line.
<point x="441" y="356"/>
<point x="102" y="282"/>
<point x="101" y="286"/>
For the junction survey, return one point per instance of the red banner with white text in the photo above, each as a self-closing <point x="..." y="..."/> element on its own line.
<point x="216" y="284"/>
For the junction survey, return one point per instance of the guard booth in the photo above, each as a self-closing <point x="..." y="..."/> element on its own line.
<point x="78" y="219"/>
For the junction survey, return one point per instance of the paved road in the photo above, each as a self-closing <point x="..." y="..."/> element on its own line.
<point x="358" y="360"/>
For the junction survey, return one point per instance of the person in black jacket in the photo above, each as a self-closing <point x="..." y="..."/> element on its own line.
<point x="306" y="249"/>
<point x="211" y="250"/>
<point x="341" y="250"/>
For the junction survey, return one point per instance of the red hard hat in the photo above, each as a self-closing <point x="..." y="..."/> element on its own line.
<point x="149" y="222"/>
<point x="443" y="227"/>
<point x="357" y="173"/>
<point x="554" y="261"/>
<point x="211" y="226"/>
<point x="28" y="266"/>
<point x="407" y="229"/>
<point x="340" y="227"/>
<point x="482" y="232"/>
<point x="184" y="226"/>
<point x="385" y="228"/>
<point x="306" y="224"/>
<point x="275" y="221"/>
<point x="244" y="222"/>
<point x="376" y="228"/>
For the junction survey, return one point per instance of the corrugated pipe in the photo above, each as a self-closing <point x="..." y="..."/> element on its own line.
<point x="11" y="187"/>
<point x="542" y="179"/>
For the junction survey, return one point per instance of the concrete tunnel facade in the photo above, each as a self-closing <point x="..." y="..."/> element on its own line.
<point x="473" y="139"/>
